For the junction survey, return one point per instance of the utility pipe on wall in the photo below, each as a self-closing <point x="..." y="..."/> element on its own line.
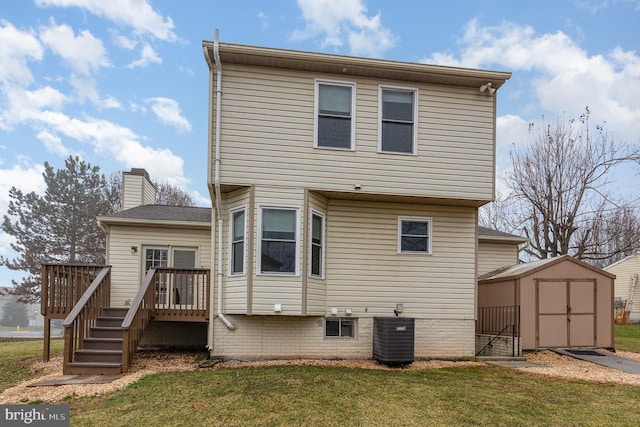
<point x="216" y="181"/>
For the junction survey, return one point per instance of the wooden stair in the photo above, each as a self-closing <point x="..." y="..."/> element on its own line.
<point x="101" y="351"/>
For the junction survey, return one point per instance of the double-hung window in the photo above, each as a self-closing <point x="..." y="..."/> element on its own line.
<point x="278" y="240"/>
<point x="317" y="245"/>
<point x="335" y="125"/>
<point x="414" y="235"/>
<point x="398" y="108"/>
<point x="238" y="233"/>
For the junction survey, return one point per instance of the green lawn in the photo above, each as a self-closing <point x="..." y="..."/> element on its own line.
<point x="324" y="396"/>
<point x="16" y="358"/>
<point x="628" y="338"/>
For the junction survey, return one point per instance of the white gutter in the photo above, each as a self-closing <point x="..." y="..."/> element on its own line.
<point x="216" y="181"/>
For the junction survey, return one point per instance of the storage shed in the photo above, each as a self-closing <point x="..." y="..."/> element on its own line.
<point x="563" y="302"/>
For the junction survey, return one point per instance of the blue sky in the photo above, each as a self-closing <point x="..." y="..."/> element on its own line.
<point x="123" y="83"/>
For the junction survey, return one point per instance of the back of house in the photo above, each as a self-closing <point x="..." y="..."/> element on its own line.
<point x="344" y="190"/>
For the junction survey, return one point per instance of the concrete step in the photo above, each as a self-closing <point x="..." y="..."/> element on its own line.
<point x="95" y="355"/>
<point x="102" y="343"/>
<point x="93" y="368"/>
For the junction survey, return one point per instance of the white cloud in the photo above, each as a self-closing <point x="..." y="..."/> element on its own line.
<point x="565" y="77"/>
<point x="137" y="14"/>
<point x="124" y="42"/>
<point x="264" y="21"/>
<point x="147" y="56"/>
<point x="168" y="112"/>
<point x="24" y="178"/>
<point x="343" y="21"/>
<point x="16" y="48"/>
<point x="53" y="143"/>
<point x="25" y="106"/>
<point x="84" y="53"/>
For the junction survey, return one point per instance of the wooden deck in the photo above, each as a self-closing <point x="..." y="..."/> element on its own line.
<point x="100" y="339"/>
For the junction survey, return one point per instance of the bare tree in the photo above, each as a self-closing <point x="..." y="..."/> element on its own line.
<point x="168" y="194"/>
<point x="561" y="182"/>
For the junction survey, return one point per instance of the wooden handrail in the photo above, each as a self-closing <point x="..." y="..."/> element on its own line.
<point x="84" y="314"/>
<point x="62" y="285"/>
<point x="137" y="318"/>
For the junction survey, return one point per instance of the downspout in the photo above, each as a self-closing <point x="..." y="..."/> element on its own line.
<point x="216" y="180"/>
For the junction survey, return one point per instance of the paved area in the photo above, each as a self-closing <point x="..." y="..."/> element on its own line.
<point x="604" y="359"/>
<point x="509" y="362"/>
<point x="76" y="379"/>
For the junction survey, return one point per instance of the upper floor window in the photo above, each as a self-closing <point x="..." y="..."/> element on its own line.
<point x="335" y="125"/>
<point x="238" y="232"/>
<point x="279" y="240"/>
<point x="397" y="120"/>
<point x="414" y="235"/>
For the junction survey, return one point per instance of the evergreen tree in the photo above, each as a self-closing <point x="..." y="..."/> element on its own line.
<point x="14" y="314"/>
<point x="60" y="226"/>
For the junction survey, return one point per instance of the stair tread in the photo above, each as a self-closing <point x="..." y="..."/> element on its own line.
<point x="102" y="339"/>
<point x="97" y="350"/>
<point x="96" y="364"/>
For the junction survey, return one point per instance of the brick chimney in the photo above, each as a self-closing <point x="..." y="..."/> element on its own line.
<point x="137" y="189"/>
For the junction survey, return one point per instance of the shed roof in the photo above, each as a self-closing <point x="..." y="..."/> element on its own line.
<point x="521" y="270"/>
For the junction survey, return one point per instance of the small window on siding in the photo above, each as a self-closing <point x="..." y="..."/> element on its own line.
<point x="237" y="241"/>
<point x="397" y="127"/>
<point x="414" y="235"/>
<point x="317" y="245"/>
<point x="279" y="240"/>
<point x="340" y="327"/>
<point x="334" y="115"/>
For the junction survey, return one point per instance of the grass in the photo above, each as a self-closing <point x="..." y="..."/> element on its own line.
<point x="323" y="396"/>
<point x="16" y="358"/>
<point x="315" y="396"/>
<point x="628" y="338"/>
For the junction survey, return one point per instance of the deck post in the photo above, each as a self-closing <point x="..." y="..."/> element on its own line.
<point x="46" y="351"/>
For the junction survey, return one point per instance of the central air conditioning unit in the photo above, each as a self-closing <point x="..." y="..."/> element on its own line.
<point x="393" y="340"/>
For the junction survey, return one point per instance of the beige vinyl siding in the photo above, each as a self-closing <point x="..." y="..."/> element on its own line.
<point x="127" y="270"/>
<point x="493" y="255"/>
<point x="624" y="270"/>
<point x="268" y="131"/>
<point x="236" y="286"/>
<point x="316" y="290"/>
<point x="367" y="274"/>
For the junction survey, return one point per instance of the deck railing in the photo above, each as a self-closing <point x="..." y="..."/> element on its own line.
<point x="62" y="287"/>
<point x="181" y="294"/>
<point x="84" y="313"/>
<point x="137" y="318"/>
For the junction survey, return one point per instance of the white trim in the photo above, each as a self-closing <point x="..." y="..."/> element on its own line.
<point x="415" y="92"/>
<point x="352" y="85"/>
<point x="429" y="222"/>
<point x="232" y="212"/>
<point x="323" y="240"/>
<point x="259" y="243"/>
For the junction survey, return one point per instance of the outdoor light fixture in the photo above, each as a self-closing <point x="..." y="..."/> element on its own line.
<point x="488" y="87"/>
<point x="134" y="249"/>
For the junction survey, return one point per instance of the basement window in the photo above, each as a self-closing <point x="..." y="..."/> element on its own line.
<point x="340" y="328"/>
